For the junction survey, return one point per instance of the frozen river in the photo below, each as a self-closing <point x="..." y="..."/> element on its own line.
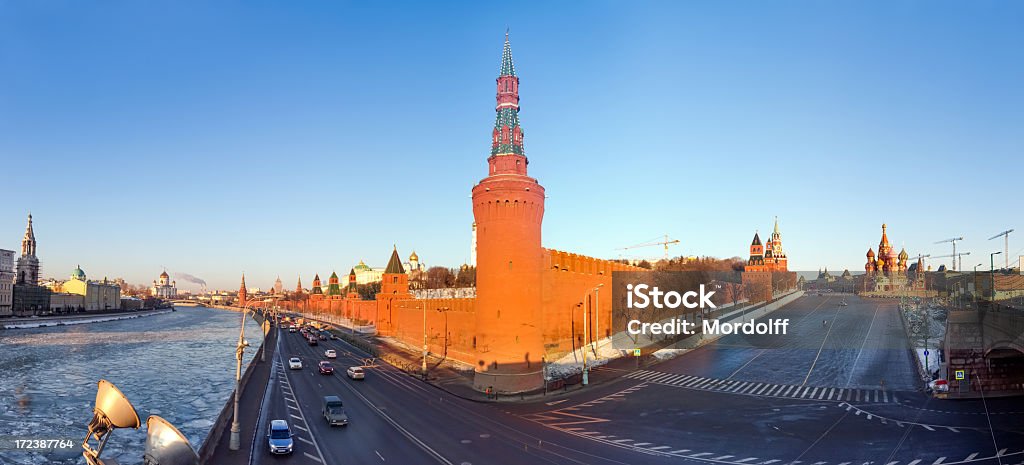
<point x="179" y="365"/>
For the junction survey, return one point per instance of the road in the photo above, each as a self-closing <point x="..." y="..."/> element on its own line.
<point x="809" y="398"/>
<point x="395" y="418"/>
<point x="860" y="345"/>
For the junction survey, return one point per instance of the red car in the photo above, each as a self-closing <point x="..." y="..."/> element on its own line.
<point x="326" y="368"/>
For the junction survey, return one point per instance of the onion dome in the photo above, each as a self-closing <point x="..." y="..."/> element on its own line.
<point x="871" y="253"/>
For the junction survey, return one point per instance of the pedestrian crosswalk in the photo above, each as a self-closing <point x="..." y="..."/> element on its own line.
<point x="765" y="389"/>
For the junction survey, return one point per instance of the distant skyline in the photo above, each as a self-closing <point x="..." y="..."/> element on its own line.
<point x="279" y="139"/>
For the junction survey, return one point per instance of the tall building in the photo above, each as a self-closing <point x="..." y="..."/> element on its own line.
<point x="96" y="295"/>
<point x="766" y="273"/>
<point x="530" y="303"/>
<point x="242" y="292"/>
<point x="508" y="207"/>
<point x="164" y="287"/>
<point x="886" y="272"/>
<point x="28" y="297"/>
<point x="6" y="282"/>
<point x="769" y="256"/>
<point x="28" y="263"/>
<point x="278" y="286"/>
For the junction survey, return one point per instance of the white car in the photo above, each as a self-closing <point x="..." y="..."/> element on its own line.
<point x="355" y="372"/>
<point x="295" y="363"/>
<point x="330" y="353"/>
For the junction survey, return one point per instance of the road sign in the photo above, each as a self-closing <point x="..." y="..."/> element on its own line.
<point x="926" y="351"/>
<point x="959" y="374"/>
<point x="636" y="352"/>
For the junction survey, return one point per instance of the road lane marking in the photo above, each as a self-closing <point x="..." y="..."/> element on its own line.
<point x="746" y="459"/>
<point x="823" y="341"/>
<point x="971" y="457"/>
<point x="723" y="457"/>
<point x="680" y="451"/>
<point x="642" y="444"/>
<point x="319" y="454"/>
<point x="867" y="333"/>
<point x="399" y="427"/>
<point x="938" y="460"/>
<point x="307" y="441"/>
<point x="381" y="456"/>
<point x="660" y="447"/>
<point x="297" y="417"/>
<point x="299" y="427"/>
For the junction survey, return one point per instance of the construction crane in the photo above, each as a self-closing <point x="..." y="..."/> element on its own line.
<point x="956" y="257"/>
<point x="1006" y="245"/>
<point x="953" y="240"/>
<point x="664" y="243"/>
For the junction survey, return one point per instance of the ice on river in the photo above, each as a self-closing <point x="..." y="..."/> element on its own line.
<point x="179" y="365"/>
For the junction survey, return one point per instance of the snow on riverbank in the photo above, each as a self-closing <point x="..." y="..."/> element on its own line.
<point x="45" y="322"/>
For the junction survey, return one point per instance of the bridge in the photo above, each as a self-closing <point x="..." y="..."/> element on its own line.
<point x="985" y="351"/>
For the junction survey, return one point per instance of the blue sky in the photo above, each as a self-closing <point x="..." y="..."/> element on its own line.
<point x="277" y="138"/>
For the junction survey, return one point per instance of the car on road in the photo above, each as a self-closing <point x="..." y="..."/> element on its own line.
<point x="334" y="411"/>
<point x="323" y="335"/>
<point x="312" y="340"/>
<point x="843" y="304"/>
<point x="326" y="368"/>
<point x="355" y="373"/>
<point x="292" y="329"/>
<point x="279" y="439"/>
<point x="295" y="363"/>
<point x="330" y="353"/>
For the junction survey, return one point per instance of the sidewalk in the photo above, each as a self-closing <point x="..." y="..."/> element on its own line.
<point x="254" y="386"/>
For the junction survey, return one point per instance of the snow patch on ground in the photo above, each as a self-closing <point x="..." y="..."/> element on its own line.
<point x="43" y="323"/>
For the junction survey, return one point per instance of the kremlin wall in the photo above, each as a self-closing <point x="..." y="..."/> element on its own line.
<point x="530" y="300"/>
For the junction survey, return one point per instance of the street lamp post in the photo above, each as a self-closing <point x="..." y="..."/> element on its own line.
<point x="236" y="428"/>
<point x="597" y="316"/>
<point x="424" y="367"/>
<point x="992" y="273"/>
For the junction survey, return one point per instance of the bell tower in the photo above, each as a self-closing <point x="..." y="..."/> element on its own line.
<point x="508" y="207"/>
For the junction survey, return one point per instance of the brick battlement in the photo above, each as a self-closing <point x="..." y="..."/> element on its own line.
<point x="576" y="263"/>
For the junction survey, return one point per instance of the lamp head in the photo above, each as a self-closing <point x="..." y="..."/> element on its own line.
<point x="165" y="445"/>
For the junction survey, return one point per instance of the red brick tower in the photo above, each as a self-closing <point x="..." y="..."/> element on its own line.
<point x="394" y="285"/>
<point x="353" y="288"/>
<point x="317" y="292"/>
<point x="242" y="293"/>
<point x="508" y="207"/>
